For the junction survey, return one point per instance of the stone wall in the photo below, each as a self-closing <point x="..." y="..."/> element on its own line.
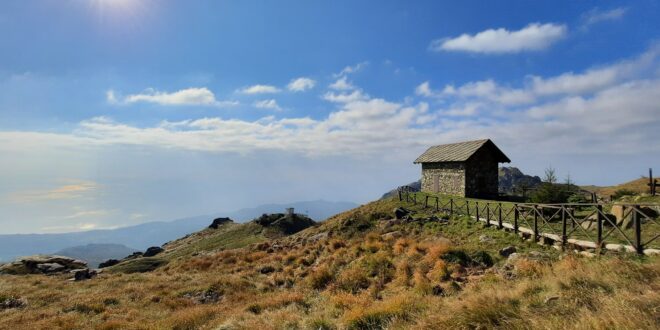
<point x="451" y="178"/>
<point x="481" y="173"/>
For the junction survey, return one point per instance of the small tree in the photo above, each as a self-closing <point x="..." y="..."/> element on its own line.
<point x="549" y="192"/>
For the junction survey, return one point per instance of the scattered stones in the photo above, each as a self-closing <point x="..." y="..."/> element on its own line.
<point x="485" y="239"/>
<point x="152" y="251"/>
<point x="42" y="264"/>
<point x="219" y="222"/>
<point x="507" y="251"/>
<point x="108" y="263"/>
<point x="12" y="302"/>
<point x="318" y="237"/>
<point x="209" y="296"/>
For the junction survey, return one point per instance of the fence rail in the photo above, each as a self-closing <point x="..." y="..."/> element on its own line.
<point x="586" y="225"/>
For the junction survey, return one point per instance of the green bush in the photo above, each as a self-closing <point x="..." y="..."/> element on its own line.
<point x="623" y="192"/>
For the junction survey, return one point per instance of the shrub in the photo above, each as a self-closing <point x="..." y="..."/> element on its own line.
<point x="483" y="258"/>
<point x="353" y="279"/>
<point x="320" y="278"/>
<point x="623" y="192"/>
<point x="457" y="256"/>
<point x="381" y="313"/>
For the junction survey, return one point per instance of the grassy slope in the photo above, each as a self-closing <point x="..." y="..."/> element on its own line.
<point x="351" y="276"/>
<point x="639" y="186"/>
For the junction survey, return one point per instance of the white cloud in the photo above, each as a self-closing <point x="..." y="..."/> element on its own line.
<point x="301" y="84"/>
<point x="424" y="89"/>
<point x="356" y="95"/>
<point x="351" y="69"/>
<point x="341" y="84"/>
<point x="533" y="37"/>
<point x="536" y="88"/>
<point x="267" y="104"/>
<point x="596" y="15"/>
<point x="259" y="89"/>
<point x="189" y="96"/>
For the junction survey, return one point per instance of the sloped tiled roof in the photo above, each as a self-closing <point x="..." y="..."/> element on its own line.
<point x="459" y="152"/>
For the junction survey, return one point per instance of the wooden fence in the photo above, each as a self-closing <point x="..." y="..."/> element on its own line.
<point x="583" y="225"/>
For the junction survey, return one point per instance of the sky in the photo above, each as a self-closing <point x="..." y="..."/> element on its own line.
<point x="118" y="112"/>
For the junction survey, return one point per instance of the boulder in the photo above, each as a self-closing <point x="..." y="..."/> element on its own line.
<point x="219" y="222"/>
<point x="507" y="251"/>
<point x="152" y="251"/>
<point x="108" y="263"/>
<point x="48" y="268"/>
<point x="392" y="235"/>
<point x="619" y="211"/>
<point x="42" y="264"/>
<point x="401" y="213"/>
<point x="83" y="274"/>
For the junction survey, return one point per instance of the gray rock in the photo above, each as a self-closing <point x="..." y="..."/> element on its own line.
<point x="42" y="264"/>
<point x="485" y="239"/>
<point x="83" y="274"/>
<point x="507" y="251"/>
<point x="152" y="251"/>
<point x="48" y="268"/>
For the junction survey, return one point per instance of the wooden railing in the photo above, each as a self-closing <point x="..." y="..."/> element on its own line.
<point x="584" y="225"/>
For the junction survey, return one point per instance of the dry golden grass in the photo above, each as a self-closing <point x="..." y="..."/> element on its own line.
<point x="350" y="281"/>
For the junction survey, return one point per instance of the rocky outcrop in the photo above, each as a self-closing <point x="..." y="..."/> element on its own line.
<point x="152" y="251"/>
<point x="512" y="180"/>
<point x="220" y="222"/>
<point x="42" y="264"/>
<point x="285" y="223"/>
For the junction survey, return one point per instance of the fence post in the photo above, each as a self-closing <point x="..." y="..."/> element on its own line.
<point x="563" y="226"/>
<point x="599" y="227"/>
<point x="467" y="206"/>
<point x="536" y="223"/>
<point x="400" y="197"/>
<point x="451" y="207"/>
<point x="499" y="216"/>
<point x="637" y="221"/>
<point x="516" y="215"/>
<point x="415" y="199"/>
<point x="437" y="204"/>
<point x="487" y="214"/>
<point x="426" y="201"/>
<point x="477" y="207"/>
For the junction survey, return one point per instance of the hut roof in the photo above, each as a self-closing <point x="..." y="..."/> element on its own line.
<point x="460" y="152"/>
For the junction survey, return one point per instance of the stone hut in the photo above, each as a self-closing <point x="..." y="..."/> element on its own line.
<point x="467" y="169"/>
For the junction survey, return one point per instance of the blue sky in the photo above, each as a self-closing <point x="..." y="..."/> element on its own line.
<point x="116" y="112"/>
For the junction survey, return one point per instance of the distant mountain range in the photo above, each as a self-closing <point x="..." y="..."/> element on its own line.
<point x="94" y="254"/>
<point x="149" y="234"/>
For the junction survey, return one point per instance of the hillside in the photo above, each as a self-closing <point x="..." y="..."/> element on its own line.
<point x="149" y="234"/>
<point x="360" y="269"/>
<point x="638" y="186"/>
<point x="94" y="254"/>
